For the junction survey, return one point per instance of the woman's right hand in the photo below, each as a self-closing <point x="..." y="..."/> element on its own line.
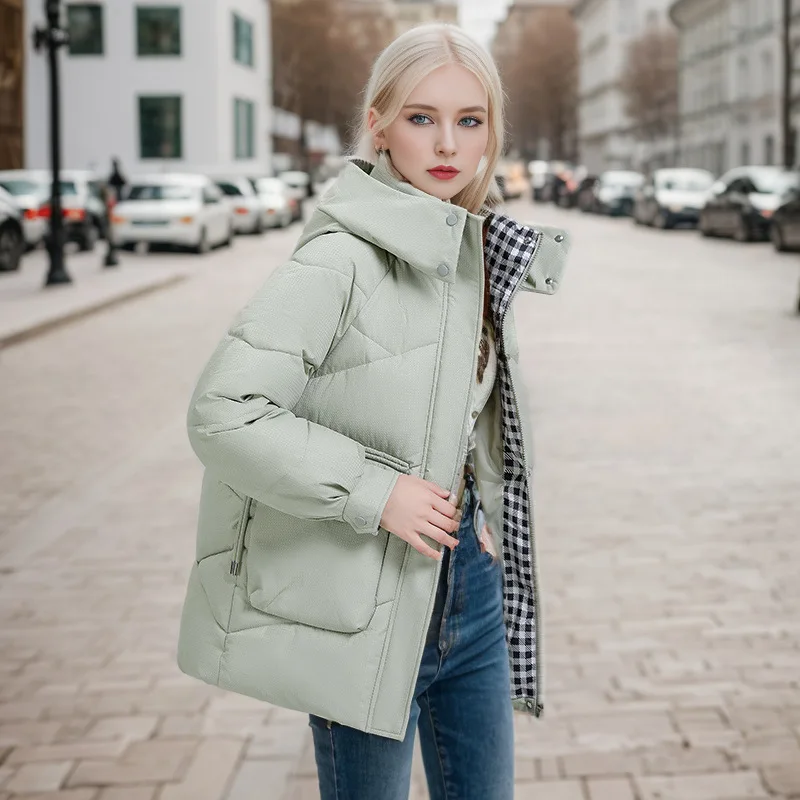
<point x="418" y="508"/>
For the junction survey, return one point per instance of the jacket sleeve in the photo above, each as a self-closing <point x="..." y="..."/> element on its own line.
<point x="240" y="420"/>
<point x="549" y="261"/>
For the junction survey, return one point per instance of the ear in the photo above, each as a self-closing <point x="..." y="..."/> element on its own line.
<point x="378" y="136"/>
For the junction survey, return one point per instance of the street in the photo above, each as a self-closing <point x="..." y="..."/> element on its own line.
<point x="665" y="382"/>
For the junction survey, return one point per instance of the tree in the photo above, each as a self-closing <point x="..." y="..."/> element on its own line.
<point x="650" y="84"/>
<point x="538" y="58"/>
<point x="322" y="53"/>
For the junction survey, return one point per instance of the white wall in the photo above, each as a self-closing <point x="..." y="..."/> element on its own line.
<point x="100" y="117"/>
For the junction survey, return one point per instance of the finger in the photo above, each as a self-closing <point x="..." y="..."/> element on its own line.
<point x="436" y="489"/>
<point x="445" y="507"/>
<point x="438" y="535"/>
<point x="445" y="523"/>
<point x="419" y="545"/>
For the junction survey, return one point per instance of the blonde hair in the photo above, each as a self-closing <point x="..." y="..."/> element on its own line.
<point x="403" y="64"/>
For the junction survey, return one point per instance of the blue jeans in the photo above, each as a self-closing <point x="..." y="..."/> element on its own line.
<point x="461" y="703"/>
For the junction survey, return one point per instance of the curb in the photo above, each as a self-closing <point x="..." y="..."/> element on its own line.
<point x="16" y="337"/>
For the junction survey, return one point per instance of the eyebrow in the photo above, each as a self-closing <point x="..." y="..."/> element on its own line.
<point x="433" y="108"/>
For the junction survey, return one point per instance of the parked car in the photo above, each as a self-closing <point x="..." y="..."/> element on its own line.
<point x="300" y="187"/>
<point x="785" y="228"/>
<point x="83" y="209"/>
<point x="584" y="194"/>
<point x="249" y="212"/>
<point x="538" y="171"/>
<point x="742" y="202"/>
<point x="568" y="189"/>
<point x="12" y="238"/>
<point x="614" y="191"/>
<point x="281" y="208"/>
<point x="672" y="196"/>
<point x="513" y="182"/>
<point x="173" y="209"/>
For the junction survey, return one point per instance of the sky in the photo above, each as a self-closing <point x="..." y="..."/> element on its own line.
<point x="479" y="17"/>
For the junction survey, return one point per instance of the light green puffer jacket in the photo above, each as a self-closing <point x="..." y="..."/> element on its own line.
<point x="351" y="366"/>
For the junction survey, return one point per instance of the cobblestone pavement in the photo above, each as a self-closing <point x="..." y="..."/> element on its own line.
<point x="665" y="382"/>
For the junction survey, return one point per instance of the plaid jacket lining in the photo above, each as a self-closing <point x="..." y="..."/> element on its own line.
<point x="508" y="250"/>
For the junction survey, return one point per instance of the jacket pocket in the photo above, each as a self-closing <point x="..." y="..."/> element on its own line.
<point x="315" y="572"/>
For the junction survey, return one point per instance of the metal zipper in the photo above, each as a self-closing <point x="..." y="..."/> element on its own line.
<point x="238" y="550"/>
<point x="536" y="704"/>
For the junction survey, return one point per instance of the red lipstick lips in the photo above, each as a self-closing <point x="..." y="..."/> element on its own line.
<point x="444" y="173"/>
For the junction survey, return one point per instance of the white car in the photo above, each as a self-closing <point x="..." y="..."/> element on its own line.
<point x="249" y="211"/>
<point x="299" y="185"/>
<point x="278" y="202"/>
<point x="177" y="209"/>
<point x="81" y="197"/>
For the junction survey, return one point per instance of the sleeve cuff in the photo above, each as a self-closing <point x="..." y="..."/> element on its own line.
<point x="364" y="507"/>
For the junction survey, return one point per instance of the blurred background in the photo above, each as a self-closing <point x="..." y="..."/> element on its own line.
<point x="191" y="140"/>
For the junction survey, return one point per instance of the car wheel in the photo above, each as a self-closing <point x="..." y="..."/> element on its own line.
<point x="704" y="226"/>
<point x="12" y="246"/>
<point x="741" y="233"/>
<point x="228" y="240"/>
<point x="202" y="246"/>
<point x="258" y="228"/>
<point x="88" y="239"/>
<point x="662" y="220"/>
<point x="778" y="240"/>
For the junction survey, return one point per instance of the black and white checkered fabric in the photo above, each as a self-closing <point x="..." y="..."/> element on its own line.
<point x="508" y="251"/>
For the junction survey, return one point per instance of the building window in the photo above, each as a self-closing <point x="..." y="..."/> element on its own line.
<point x="243" y="128"/>
<point x="158" y="31"/>
<point x="769" y="150"/>
<point x="242" y="41"/>
<point x="85" y="26"/>
<point x="160" y="133"/>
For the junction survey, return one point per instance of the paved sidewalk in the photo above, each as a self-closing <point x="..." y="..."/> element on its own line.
<point x="27" y="308"/>
<point x="665" y="384"/>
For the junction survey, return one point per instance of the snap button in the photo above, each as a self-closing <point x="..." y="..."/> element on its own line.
<point x="474" y="415"/>
<point x="560" y="237"/>
<point x="528" y="239"/>
<point x="361" y="521"/>
<point x="529" y="703"/>
<point x="451" y="220"/>
<point x="549" y="281"/>
<point x="443" y="270"/>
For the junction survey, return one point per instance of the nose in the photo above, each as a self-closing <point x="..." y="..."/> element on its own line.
<point x="446" y="144"/>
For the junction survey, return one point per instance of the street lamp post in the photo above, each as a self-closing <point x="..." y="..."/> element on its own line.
<point x="52" y="37"/>
<point x="786" y="95"/>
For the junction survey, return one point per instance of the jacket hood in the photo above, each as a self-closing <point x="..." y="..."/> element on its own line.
<point x="370" y="202"/>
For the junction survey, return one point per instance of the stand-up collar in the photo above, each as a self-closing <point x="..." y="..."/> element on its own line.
<point x="372" y="203"/>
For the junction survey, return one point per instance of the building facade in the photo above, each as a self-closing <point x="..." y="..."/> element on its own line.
<point x="408" y="14"/>
<point x="173" y="85"/>
<point x="12" y="74"/>
<point x="730" y="81"/>
<point x="606" y="28"/>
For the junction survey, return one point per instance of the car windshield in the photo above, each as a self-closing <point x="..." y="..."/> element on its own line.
<point x="162" y="192"/>
<point x="230" y="189"/>
<point x="22" y="186"/>
<point x="622" y="180"/>
<point x="684" y="181"/>
<point x="773" y="181"/>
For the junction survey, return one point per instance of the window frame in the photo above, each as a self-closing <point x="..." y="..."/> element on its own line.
<point x="101" y="9"/>
<point x="239" y="20"/>
<point x="249" y="151"/>
<point x="138" y="10"/>
<point x="140" y="98"/>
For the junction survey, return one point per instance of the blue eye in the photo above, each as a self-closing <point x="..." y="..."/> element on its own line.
<point x="416" y="117"/>
<point x="473" y="122"/>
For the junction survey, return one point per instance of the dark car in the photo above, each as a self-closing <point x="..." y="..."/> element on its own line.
<point x="12" y="240"/>
<point x="744" y="200"/>
<point x="785" y="228"/>
<point x="672" y="197"/>
<point x="614" y="190"/>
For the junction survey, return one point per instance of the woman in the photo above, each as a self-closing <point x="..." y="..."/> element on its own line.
<point x="365" y="550"/>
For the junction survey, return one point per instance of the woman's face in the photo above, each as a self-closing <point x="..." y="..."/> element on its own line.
<point x="442" y="125"/>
